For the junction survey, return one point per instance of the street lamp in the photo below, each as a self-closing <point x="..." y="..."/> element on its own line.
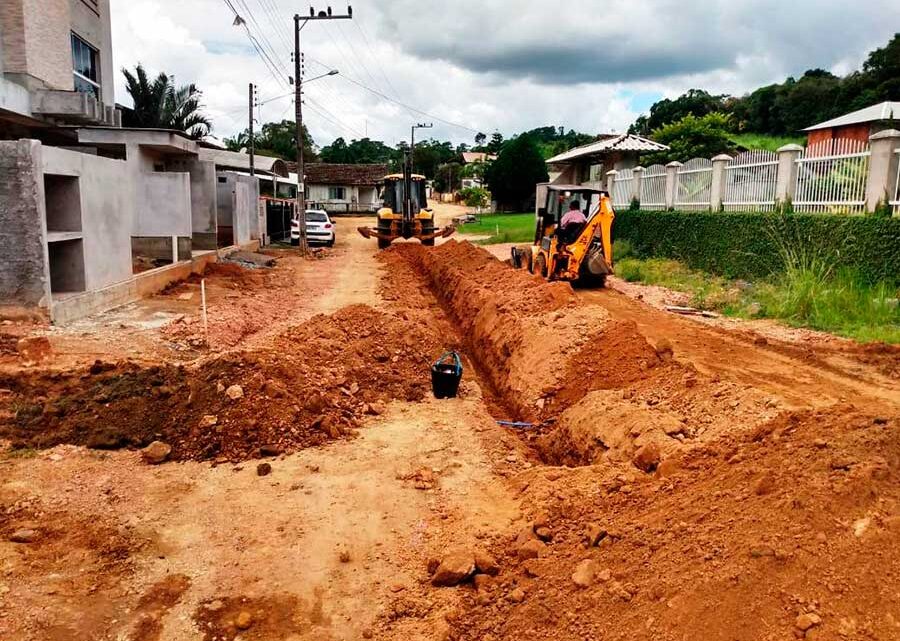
<point x="333" y="72"/>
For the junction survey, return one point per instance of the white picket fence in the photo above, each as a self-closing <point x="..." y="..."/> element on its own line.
<point x="831" y="177"/>
<point x="653" y="188"/>
<point x="621" y="188"/>
<point x="750" y="180"/>
<point x="896" y="201"/>
<point x="694" y="186"/>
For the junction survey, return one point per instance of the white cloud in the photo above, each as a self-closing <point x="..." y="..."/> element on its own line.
<point x="506" y="65"/>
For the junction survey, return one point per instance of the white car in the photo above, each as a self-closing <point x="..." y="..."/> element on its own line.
<point x="319" y="228"/>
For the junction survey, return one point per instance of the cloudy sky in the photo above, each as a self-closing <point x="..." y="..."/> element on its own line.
<point x="488" y="65"/>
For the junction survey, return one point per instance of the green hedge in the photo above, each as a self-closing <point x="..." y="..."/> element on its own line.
<point x="750" y="245"/>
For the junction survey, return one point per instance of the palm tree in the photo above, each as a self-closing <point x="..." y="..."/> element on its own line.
<point x="158" y="104"/>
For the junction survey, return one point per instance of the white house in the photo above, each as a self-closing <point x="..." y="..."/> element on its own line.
<point x="339" y="188"/>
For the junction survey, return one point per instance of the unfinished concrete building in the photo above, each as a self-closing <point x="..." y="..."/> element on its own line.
<point x="94" y="227"/>
<point x="56" y="66"/>
<point x="93" y="215"/>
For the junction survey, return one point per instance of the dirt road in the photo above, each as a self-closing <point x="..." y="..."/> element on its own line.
<point x="680" y="481"/>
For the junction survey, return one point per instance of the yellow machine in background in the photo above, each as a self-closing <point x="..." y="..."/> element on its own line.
<point x="583" y="254"/>
<point x="405" y="213"/>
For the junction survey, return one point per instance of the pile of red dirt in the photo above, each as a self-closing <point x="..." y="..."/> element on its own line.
<point x="315" y="383"/>
<point x="521" y="329"/>
<point x="790" y="530"/>
<point x="562" y="365"/>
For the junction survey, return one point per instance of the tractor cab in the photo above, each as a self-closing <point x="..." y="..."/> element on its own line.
<point x="558" y="203"/>
<point x="404" y="212"/>
<point x="392" y="192"/>
<point x="580" y="252"/>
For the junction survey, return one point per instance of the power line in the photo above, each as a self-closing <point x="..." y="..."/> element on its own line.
<point x="271" y="51"/>
<point x="371" y="49"/>
<point x="356" y="55"/>
<point x="278" y="25"/>
<point x="327" y="115"/>
<point x="270" y="65"/>
<point x="406" y="106"/>
<point x="382" y="95"/>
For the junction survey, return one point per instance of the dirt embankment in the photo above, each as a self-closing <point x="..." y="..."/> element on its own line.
<point x="787" y="530"/>
<point x="315" y="383"/>
<point x="570" y="368"/>
<point x="520" y="329"/>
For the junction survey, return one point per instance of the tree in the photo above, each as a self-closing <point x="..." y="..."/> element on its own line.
<point x="513" y="176"/>
<point x="480" y="139"/>
<point x="159" y="104"/>
<point x="694" y="102"/>
<point x="496" y="143"/>
<point x="553" y="141"/>
<point x="475" y="196"/>
<point x="448" y="177"/>
<point x="431" y="154"/>
<point x="882" y="69"/>
<point x="277" y="139"/>
<point x="693" y="137"/>
<point x="358" y="152"/>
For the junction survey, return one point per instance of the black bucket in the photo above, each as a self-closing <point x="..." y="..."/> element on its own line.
<point x="445" y="375"/>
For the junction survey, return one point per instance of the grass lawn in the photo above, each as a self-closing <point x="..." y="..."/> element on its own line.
<point x="810" y="296"/>
<point x="762" y="141"/>
<point x="502" y="228"/>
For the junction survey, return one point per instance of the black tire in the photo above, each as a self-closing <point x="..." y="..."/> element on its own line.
<point x="540" y="266"/>
<point x="527" y="258"/>
<point x="331" y="243"/>
<point x="384" y="227"/>
<point x="428" y="228"/>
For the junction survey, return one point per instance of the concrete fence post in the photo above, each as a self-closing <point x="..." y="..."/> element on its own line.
<point x="638" y="173"/>
<point x="672" y="183"/>
<point x="786" y="178"/>
<point x="883" y="163"/>
<point x="611" y="181"/>
<point x="717" y="187"/>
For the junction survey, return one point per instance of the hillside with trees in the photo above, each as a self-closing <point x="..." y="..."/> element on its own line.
<point x="713" y="123"/>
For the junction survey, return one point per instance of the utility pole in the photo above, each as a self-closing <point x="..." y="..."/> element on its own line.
<point x="252" y="142"/>
<point x="298" y="111"/>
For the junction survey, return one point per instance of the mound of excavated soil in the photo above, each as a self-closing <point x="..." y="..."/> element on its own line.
<point x="789" y="530"/>
<point x="520" y="329"/>
<point x="314" y="384"/>
<point x="598" y="388"/>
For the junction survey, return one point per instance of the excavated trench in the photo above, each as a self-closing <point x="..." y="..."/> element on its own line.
<point x="595" y="387"/>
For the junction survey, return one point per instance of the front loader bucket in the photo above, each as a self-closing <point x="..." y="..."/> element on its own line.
<point x="366" y="232"/>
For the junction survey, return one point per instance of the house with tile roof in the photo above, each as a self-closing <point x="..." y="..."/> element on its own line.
<point x="590" y="163"/>
<point x="343" y="188"/>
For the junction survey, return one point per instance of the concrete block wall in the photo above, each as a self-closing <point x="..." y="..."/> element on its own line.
<point x="106" y="207"/>
<point x="163" y="206"/>
<point x="24" y="274"/>
<point x="237" y="198"/>
<point x="204" y="210"/>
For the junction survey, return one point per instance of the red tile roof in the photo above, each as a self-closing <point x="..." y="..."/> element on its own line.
<point x="320" y="173"/>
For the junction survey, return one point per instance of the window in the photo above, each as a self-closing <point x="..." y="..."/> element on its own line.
<point x="336" y="193"/>
<point x="86" y="66"/>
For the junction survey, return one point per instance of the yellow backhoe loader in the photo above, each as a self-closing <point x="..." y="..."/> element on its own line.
<point x="405" y="213"/>
<point x="579" y="253"/>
